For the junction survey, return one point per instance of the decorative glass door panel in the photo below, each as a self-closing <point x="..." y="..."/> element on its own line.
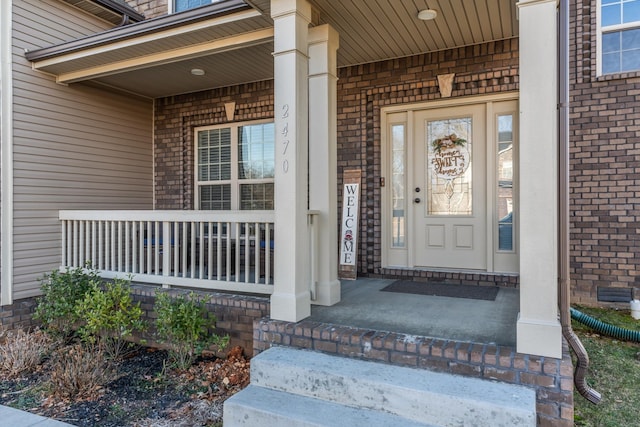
<point x="449" y="172"/>
<point x="449" y="194"/>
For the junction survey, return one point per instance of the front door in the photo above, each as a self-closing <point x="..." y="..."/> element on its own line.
<point x="449" y="199"/>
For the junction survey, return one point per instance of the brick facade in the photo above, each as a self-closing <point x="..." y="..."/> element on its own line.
<point x="235" y="314"/>
<point x="551" y="378"/>
<point x="175" y="119"/>
<point x="150" y="8"/>
<point x="362" y="91"/>
<point x="18" y="315"/>
<point x="605" y="166"/>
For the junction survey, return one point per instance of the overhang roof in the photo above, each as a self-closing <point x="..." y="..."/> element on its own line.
<point x="232" y="41"/>
<point x="114" y="11"/>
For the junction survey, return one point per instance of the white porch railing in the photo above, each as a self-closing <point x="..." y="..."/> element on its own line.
<point x="229" y="251"/>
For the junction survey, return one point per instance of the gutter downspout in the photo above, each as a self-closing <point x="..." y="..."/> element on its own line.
<point x="582" y="364"/>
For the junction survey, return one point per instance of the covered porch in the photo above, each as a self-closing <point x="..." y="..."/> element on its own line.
<point x="290" y="254"/>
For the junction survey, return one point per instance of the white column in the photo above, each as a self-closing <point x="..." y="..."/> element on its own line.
<point x="6" y="151"/>
<point x="539" y="331"/>
<point x="323" y="181"/>
<point x="291" y="298"/>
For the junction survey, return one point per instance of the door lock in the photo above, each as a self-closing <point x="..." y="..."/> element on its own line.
<point x="416" y="200"/>
<point x="417" y="190"/>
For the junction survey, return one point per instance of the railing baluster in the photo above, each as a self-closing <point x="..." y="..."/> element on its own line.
<point x="178" y="241"/>
<point x="93" y="244"/>
<point x="80" y="242"/>
<point x="134" y="247"/>
<point x="192" y="241"/>
<point x="201" y="250"/>
<point x="210" y="251"/>
<point x="120" y="244"/>
<point x="156" y="246"/>
<point x="267" y="254"/>
<point x="166" y="248"/>
<point x="63" y="235"/>
<point x="256" y="255"/>
<point x="113" y="245"/>
<point x="247" y="253"/>
<point x="75" y="243"/>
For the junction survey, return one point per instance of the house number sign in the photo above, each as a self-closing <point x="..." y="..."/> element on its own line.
<point x="285" y="137"/>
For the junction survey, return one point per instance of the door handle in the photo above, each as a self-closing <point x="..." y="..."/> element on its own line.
<point x="417" y="190"/>
<point x="416" y="200"/>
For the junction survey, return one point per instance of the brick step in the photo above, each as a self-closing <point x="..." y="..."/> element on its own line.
<point x="414" y="394"/>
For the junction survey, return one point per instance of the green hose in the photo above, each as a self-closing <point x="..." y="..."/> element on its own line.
<point x="605" y="328"/>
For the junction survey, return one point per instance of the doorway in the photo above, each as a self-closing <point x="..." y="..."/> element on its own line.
<point x="452" y="198"/>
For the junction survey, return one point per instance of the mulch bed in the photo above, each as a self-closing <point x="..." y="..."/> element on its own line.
<point x="145" y="393"/>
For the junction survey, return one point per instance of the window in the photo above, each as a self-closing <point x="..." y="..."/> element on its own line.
<point x="182" y="5"/>
<point x="619" y="36"/>
<point x="235" y="167"/>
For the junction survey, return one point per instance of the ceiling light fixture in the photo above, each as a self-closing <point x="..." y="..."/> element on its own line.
<point x="427" y="14"/>
<point x="197" y="71"/>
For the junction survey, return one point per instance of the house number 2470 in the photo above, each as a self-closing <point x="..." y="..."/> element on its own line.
<point x="285" y="140"/>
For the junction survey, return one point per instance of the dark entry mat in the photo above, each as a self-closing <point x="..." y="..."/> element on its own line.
<point x="487" y="293"/>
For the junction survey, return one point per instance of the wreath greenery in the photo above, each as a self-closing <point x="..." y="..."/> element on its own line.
<point x="447" y="141"/>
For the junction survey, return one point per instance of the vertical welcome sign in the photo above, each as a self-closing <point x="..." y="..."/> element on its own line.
<point x="349" y="224"/>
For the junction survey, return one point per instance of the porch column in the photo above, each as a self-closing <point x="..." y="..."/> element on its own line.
<point x="539" y="331"/>
<point x="323" y="193"/>
<point x="291" y="298"/>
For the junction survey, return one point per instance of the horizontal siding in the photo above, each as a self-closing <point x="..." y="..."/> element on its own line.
<point x="75" y="147"/>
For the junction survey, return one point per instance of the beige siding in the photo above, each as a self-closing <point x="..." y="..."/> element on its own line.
<point x="75" y="147"/>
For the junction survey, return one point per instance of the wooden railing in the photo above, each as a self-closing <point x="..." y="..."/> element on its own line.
<point x="222" y="250"/>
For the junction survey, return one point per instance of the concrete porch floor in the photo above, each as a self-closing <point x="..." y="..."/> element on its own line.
<point x="364" y="305"/>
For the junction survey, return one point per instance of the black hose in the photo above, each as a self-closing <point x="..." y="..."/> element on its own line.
<point x="605" y="328"/>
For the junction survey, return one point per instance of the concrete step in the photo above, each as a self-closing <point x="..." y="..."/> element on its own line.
<point x="415" y="394"/>
<point x="258" y="406"/>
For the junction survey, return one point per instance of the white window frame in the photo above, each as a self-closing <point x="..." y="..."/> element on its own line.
<point x="609" y="29"/>
<point x="234" y="181"/>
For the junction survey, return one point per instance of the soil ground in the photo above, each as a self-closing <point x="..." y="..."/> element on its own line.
<point x="145" y="392"/>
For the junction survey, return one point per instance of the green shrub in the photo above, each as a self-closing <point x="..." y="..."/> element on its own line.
<point x="110" y="317"/>
<point x="61" y="290"/>
<point x="183" y="325"/>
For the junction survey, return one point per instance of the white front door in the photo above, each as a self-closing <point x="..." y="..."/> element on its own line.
<point x="449" y="198"/>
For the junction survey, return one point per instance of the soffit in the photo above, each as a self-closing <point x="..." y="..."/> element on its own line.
<point x="235" y="47"/>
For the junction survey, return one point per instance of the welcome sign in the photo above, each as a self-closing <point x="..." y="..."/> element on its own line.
<point x="349" y="224"/>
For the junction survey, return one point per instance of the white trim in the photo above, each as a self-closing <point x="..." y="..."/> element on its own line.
<point x="153" y="154"/>
<point x="609" y="29"/>
<point x="227" y="44"/>
<point x="6" y="151"/>
<point x="489" y="101"/>
<point x="451" y="102"/>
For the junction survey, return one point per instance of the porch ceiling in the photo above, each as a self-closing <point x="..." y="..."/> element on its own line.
<point x="232" y="42"/>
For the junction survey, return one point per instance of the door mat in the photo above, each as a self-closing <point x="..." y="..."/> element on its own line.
<point x="487" y="293"/>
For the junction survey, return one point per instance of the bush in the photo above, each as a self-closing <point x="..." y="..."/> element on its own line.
<point x="183" y="325"/>
<point x="80" y="372"/>
<point x="22" y="351"/>
<point x="110" y="317"/>
<point x="60" y="293"/>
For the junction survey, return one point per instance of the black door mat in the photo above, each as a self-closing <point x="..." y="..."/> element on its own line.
<point x="487" y="293"/>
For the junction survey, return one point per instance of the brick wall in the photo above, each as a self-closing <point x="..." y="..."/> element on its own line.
<point x="605" y="167"/>
<point x="235" y="314"/>
<point x="363" y="90"/>
<point x="18" y="315"/>
<point x="551" y="378"/>
<point x="175" y="119"/>
<point x="150" y="8"/>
